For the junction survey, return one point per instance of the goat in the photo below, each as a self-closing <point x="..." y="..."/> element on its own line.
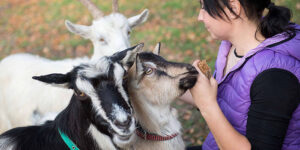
<point x="108" y="34"/>
<point x="154" y="84"/>
<point x="99" y="105"/>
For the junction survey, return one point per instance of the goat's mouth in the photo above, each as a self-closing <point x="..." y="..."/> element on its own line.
<point x="123" y="137"/>
<point x="124" y="141"/>
<point x="188" y="81"/>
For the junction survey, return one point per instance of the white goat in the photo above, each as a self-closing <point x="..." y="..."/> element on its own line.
<point x="153" y="85"/>
<point x="21" y="96"/>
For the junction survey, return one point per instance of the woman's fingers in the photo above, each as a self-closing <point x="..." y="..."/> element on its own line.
<point x="195" y="65"/>
<point x="213" y="81"/>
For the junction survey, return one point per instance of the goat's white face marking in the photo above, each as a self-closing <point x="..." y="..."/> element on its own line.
<point x="109" y="34"/>
<point x="118" y="74"/>
<point x="119" y="113"/>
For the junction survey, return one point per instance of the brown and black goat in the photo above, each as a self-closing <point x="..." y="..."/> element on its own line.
<point x="154" y="84"/>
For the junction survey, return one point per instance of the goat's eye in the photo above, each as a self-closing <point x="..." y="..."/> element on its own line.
<point x="81" y="94"/>
<point x="128" y="32"/>
<point x="149" y="71"/>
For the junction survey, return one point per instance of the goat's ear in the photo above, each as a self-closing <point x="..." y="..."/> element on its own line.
<point x="139" y="68"/>
<point x="138" y="19"/>
<point x="82" y="30"/>
<point x="156" y="50"/>
<point x="58" y="80"/>
<point x="127" y="57"/>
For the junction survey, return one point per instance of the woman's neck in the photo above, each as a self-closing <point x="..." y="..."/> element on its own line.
<point x="245" y="36"/>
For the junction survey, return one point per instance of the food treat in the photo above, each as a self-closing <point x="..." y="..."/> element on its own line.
<point x="204" y="68"/>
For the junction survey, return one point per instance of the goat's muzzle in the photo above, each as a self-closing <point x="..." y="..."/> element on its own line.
<point x="189" y="80"/>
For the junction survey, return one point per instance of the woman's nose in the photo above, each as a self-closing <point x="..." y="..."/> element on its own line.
<point x="200" y="16"/>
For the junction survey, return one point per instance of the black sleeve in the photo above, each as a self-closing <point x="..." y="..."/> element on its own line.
<point x="275" y="94"/>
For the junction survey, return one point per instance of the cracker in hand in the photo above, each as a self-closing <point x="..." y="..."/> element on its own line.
<point x="202" y="65"/>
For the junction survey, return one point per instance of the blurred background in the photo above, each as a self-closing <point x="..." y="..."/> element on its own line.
<point x="37" y="27"/>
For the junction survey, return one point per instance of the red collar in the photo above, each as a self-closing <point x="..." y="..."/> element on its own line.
<point x="151" y="136"/>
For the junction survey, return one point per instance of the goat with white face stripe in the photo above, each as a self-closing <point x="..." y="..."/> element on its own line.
<point x="99" y="103"/>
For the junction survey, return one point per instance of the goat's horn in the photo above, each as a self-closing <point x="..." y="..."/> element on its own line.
<point x="94" y="10"/>
<point x="115" y="6"/>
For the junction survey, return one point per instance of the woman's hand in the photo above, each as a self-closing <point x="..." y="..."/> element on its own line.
<point x="205" y="97"/>
<point x="205" y="90"/>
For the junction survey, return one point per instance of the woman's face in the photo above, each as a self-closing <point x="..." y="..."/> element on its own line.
<point x="217" y="27"/>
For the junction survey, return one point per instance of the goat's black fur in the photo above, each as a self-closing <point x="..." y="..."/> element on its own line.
<point x="73" y="121"/>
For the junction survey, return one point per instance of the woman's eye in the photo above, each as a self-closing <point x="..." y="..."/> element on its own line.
<point x="149" y="71"/>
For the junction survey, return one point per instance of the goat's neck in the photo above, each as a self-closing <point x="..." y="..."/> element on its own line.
<point x="100" y="51"/>
<point x="73" y="121"/>
<point x="158" y="119"/>
<point x="97" y="54"/>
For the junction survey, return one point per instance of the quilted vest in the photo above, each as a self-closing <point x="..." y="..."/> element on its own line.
<point x="233" y="96"/>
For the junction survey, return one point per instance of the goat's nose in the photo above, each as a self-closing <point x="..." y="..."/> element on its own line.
<point x="123" y="124"/>
<point x="191" y="68"/>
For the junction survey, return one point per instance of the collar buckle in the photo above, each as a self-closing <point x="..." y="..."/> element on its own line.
<point x="145" y="135"/>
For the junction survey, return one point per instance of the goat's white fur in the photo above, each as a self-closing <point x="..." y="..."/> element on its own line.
<point x="162" y="122"/>
<point x="39" y="119"/>
<point x="102" y="140"/>
<point x="8" y="144"/>
<point x="29" y="95"/>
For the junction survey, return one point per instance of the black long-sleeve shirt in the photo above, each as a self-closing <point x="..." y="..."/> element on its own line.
<point x="275" y="94"/>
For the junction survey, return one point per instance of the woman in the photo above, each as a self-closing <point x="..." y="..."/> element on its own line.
<point x="253" y="102"/>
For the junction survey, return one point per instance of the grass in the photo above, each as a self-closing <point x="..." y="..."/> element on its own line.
<point x="37" y="26"/>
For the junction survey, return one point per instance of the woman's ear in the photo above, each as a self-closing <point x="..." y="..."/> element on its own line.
<point x="236" y="8"/>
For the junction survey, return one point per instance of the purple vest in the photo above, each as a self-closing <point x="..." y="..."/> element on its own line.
<point x="234" y="88"/>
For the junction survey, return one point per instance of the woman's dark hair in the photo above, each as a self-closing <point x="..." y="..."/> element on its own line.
<point x="277" y="20"/>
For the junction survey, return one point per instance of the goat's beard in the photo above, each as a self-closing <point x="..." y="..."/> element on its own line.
<point x="121" y="143"/>
<point x="124" y="140"/>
